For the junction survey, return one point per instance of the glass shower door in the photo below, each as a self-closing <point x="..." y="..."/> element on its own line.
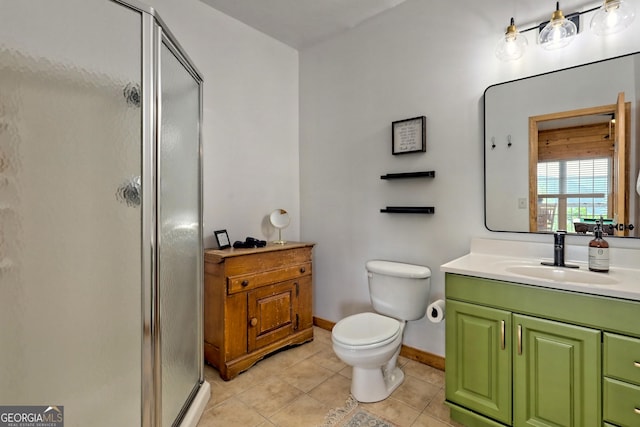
<point x="180" y="240"/>
<point x="70" y="221"/>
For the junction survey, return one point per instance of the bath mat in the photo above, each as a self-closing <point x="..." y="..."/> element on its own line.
<point x="352" y="415"/>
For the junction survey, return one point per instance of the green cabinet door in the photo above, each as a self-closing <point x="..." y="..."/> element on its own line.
<point x="478" y="374"/>
<point x="557" y="374"/>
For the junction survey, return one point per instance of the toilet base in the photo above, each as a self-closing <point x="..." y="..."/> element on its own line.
<point x="371" y="385"/>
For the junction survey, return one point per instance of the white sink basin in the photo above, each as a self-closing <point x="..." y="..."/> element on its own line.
<point x="558" y="274"/>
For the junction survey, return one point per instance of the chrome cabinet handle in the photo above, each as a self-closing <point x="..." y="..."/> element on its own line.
<point x="636" y="364"/>
<point x="519" y="339"/>
<point x="636" y="410"/>
<point x="502" y="337"/>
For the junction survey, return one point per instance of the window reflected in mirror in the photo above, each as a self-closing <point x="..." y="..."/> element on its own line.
<point x="576" y="159"/>
<point x="572" y="192"/>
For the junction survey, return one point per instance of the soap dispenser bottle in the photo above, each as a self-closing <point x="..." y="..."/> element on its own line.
<point x="598" y="251"/>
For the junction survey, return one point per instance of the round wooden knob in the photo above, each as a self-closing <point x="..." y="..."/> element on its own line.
<point x="254" y="321"/>
<point x="302" y="269"/>
<point x="245" y="283"/>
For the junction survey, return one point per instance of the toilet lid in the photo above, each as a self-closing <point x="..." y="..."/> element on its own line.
<point x="365" y="329"/>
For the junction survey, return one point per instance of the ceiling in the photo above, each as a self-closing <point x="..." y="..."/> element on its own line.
<point x="302" y="23"/>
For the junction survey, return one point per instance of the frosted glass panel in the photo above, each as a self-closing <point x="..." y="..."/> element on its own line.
<point x="180" y="240"/>
<point x="70" y="268"/>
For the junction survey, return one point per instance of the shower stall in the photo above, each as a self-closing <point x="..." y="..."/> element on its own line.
<point x="100" y="215"/>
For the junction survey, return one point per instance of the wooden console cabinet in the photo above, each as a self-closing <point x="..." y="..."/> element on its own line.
<point x="256" y="301"/>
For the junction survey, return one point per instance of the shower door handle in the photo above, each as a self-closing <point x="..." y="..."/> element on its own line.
<point x="130" y="192"/>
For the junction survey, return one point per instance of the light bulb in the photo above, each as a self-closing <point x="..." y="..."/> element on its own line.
<point x="512" y="45"/>
<point x="612" y="17"/>
<point x="558" y="32"/>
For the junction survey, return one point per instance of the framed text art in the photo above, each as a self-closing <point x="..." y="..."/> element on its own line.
<point x="409" y="135"/>
<point x="222" y="238"/>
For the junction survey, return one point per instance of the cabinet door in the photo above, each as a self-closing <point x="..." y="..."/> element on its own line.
<point x="478" y="374"/>
<point x="271" y="313"/>
<point x="556" y="373"/>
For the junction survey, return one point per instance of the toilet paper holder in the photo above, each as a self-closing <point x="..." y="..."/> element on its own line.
<point x="435" y="311"/>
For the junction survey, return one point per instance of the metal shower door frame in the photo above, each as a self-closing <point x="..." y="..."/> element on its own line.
<point x="154" y="34"/>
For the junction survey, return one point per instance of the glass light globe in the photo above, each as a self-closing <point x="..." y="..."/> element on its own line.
<point x="512" y="45"/>
<point x="612" y="17"/>
<point x="558" y="33"/>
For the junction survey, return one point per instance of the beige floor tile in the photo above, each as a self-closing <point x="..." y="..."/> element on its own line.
<point x="334" y="391"/>
<point x="242" y="382"/>
<point x="270" y="396"/>
<point x="328" y="359"/>
<point x="219" y="393"/>
<point x="425" y="420"/>
<point x="424" y="372"/>
<point x="304" y="411"/>
<point x="231" y="412"/>
<point x="272" y="365"/>
<point x="346" y="372"/>
<point x="296" y="353"/>
<point x="305" y="375"/>
<point x="402" y="361"/>
<point x="438" y="409"/>
<point x="298" y="386"/>
<point x="415" y="392"/>
<point x="393" y="410"/>
<point x="321" y="335"/>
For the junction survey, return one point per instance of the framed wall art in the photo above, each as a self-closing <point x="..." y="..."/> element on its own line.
<point x="222" y="238"/>
<point x="409" y="135"/>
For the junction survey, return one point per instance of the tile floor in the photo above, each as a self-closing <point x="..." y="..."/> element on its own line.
<point x="298" y="386"/>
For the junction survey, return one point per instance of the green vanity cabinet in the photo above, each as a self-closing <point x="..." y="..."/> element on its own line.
<point x="479" y="359"/>
<point x="521" y="355"/>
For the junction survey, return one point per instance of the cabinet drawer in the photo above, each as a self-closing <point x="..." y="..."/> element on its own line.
<point x="245" y="282"/>
<point x="622" y="358"/>
<point x="621" y="403"/>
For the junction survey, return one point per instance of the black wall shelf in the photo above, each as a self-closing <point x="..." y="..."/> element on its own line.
<point x="409" y="209"/>
<point x="424" y="174"/>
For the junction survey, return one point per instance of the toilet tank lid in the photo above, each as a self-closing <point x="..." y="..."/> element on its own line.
<point x="398" y="269"/>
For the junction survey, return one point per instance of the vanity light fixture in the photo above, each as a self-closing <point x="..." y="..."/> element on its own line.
<point x="558" y="32"/>
<point x="512" y="45"/>
<point x="612" y="17"/>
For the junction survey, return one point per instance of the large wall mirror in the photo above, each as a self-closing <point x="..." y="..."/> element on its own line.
<point x="561" y="150"/>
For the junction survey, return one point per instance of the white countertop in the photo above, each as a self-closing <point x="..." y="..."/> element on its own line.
<point x="497" y="259"/>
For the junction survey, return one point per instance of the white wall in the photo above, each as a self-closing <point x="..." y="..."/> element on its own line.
<point x="250" y="129"/>
<point x="418" y="59"/>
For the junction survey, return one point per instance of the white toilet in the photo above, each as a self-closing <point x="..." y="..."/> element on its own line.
<point x="370" y="342"/>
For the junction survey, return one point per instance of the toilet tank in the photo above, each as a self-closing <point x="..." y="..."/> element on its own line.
<point x="399" y="290"/>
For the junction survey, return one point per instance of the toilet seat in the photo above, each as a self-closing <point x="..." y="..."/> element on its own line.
<point x="366" y="330"/>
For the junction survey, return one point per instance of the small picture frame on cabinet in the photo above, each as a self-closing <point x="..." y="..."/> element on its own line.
<point x="409" y="135"/>
<point x="222" y="238"/>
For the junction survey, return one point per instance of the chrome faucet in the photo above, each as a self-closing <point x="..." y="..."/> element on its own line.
<point x="558" y="251"/>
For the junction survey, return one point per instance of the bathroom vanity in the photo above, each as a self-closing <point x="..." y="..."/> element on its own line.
<point x="256" y="301"/>
<point x="532" y="345"/>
